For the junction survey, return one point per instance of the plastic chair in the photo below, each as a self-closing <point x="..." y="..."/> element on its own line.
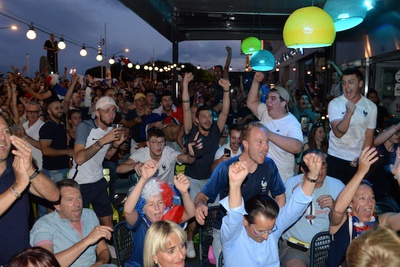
<point x="382" y="207"/>
<point x="123" y="243"/>
<point x="206" y="232"/>
<point x="319" y="249"/>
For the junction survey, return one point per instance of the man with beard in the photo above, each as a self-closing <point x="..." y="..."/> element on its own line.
<point x="72" y="233"/>
<point x="353" y="121"/>
<point x="96" y="140"/>
<point x="17" y="178"/>
<point x="263" y="178"/>
<point x="210" y="133"/>
<point x="53" y="142"/>
<point x="173" y="118"/>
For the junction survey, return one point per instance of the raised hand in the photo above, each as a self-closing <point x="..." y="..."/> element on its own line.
<point x="181" y="183"/>
<point x="395" y="168"/>
<point x="258" y="77"/>
<point x="149" y="168"/>
<point x="196" y="143"/>
<point x="188" y="77"/>
<point x="366" y="159"/>
<point x="237" y="173"/>
<point x="314" y="163"/>
<point x="224" y="83"/>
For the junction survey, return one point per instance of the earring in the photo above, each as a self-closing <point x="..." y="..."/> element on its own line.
<point x="156" y="263"/>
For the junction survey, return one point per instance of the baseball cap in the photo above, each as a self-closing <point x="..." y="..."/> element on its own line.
<point x="138" y="96"/>
<point x="282" y="92"/>
<point x="105" y="102"/>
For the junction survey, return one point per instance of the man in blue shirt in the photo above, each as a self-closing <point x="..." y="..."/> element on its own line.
<point x="263" y="178"/>
<point x="251" y="230"/>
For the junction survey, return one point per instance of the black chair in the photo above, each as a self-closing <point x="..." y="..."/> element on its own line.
<point x="206" y="232"/>
<point x="123" y="243"/>
<point x="221" y="260"/>
<point x="319" y="248"/>
<point x="382" y="207"/>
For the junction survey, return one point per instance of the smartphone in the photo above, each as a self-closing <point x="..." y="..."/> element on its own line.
<point x="227" y="152"/>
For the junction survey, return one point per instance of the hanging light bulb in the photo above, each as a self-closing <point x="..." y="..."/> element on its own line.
<point x="137" y="66"/>
<point x="61" y="44"/>
<point x="251" y="45"/>
<point x="111" y="60"/>
<point x="262" y="60"/>
<point x="83" y="51"/>
<point x="198" y="67"/>
<point x="156" y="68"/>
<point x="130" y="65"/>
<point x="31" y="34"/>
<point x="146" y="67"/>
<point x="99" y="57"/>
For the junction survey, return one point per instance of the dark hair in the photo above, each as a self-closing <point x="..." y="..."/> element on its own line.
<point x="351" y="71"/>
<point x="260" y="205"/>
<point x="201" y="109"/>
<point x="72" y="111"/>
<point x="390" y="122"/>
<point x="218" y="66"/>
<point x="149" y="92"/>
<point x="65" y="183"/>
<point x="371" y="91"/>
<point x="155" y="132"/>
<point x="50" y="101"/>
<point x="36" y="256"/>
<point x="311" y="138"/>
<point x="313" y="150"/>
<point x="235" y="127"/>
<point x="166" y="93"/>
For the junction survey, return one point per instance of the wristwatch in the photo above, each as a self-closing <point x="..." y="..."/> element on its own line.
<point x="34" y="174"/>
<point x="311" y="180"/>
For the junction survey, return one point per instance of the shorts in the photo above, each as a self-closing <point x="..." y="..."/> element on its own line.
<point x="287" y="253"/>
<point x="97" y="195"/>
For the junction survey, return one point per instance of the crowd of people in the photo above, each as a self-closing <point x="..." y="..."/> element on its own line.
<point x="278" y="168"/>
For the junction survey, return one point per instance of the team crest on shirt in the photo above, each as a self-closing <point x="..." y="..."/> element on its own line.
<point x="264" y="185"/>
<point x="365" y="112"/>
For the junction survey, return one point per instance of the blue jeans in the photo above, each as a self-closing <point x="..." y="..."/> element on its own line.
<point x="55" y="176"/>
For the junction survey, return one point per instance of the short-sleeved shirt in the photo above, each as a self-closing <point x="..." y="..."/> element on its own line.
<point x="166" y="164"/>
<point x="91" y="171"/>
<point x="14" y="223"/>
<point x="52" y="229"/>
<point x="349" y="146"/>
<point x="264" y="180"/>
<point x="306" y="227"/>
<point x="201" y="168"/>
<point x="287" y="126"/>
<point x="56" y="133"/>
<point x="138" y="231"/>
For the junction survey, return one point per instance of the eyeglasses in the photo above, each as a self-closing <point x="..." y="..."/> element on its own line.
<point x="260" y="233"/>
<point x="157" y="143"/>
<point x="32" y="111"/>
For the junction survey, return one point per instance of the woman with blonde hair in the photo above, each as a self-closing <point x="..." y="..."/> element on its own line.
<point x="164" y="245"/>
<point x="378" y="247"/>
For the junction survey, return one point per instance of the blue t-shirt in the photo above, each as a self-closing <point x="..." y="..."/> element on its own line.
<point x="265" y="179"/>
<point x="56" y="133"/>
<point x="14" y="227"/>
<point x="201" y="168"/>
<point x="138" y="231"/>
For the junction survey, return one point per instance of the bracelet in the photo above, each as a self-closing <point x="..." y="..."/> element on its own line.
<point x="15" y="192"/>
<point x="397" y="176"/>
<point x="186" y="101"/>
<point x="114" y="146"/>
<point x="311" y="180"/>
<point x="226" y="91"/>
